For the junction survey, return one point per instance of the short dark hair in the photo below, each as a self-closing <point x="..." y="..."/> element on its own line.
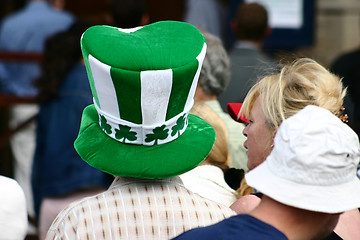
<point x="128" y="13"/>
<point x="252" y="21"/>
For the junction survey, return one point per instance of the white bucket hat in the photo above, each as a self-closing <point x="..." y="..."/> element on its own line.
<point x="313" y="164"/>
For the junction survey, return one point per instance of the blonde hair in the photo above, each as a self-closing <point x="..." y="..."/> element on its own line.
<point x="219" y="155"/>
<point x="301" y="83"/>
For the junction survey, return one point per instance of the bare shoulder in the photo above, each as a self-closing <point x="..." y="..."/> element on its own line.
<point x="245" y="204"/>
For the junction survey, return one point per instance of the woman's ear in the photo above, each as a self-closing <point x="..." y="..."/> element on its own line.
<point x="234" y="26"/>
<point x="274" y="134"/>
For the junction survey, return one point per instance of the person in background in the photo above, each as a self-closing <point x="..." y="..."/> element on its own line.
<point x="59" y="175"/>
<point x="307" y="181"/>
<point x="33" y="24"/>
<point x="26" y="31"/>
<point x="139" y="129"/>
<point x="279" y="96"/>
<point x="347" y="66"/>
<point x="248" y="61"/>
<point x="214" y="78"/>
<point x="129" y="13"/>
<point x="208" y="179"/>
<point x="13" y="214"/>
<point x="58" y="4"/>
<point x="207" y="15"/>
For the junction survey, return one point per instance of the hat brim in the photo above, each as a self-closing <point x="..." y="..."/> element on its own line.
<point x="151" y="162"/>
<point x="327" y="199"/>
<point x="233" y="109"/>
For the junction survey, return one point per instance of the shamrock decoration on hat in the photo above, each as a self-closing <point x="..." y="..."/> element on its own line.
<point x="143" y="82"/>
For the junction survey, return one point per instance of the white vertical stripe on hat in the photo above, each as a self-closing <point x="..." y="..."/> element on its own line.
<point x="155" y="94"/>
<point x="104" y="87"/>
<point x="190" y="100"/>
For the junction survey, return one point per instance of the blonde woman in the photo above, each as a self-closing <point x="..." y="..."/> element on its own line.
<point x="277" y="97"/>
<point x="208" y="178"/>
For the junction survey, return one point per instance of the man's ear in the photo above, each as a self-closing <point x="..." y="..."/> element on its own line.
<point x="268" y="31"/>
<point x="145" y="19"/>
<point x="199" y="93"/>
<point x="234" y="26"/>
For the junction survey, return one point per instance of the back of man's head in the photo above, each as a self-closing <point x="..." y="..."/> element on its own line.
<point x="57" y="4"/>
<point x="128" y="13"/>
<point x="215" y="72"/>
<point x="251" y="22"/>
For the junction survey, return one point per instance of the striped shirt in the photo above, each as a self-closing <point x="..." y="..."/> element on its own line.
<point x="137" y="209"/>
<point x="236" y="137"/>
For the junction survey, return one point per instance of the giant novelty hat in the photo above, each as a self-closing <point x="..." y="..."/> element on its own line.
<point x="313" y="164"/>
<point x="143" y="82"/>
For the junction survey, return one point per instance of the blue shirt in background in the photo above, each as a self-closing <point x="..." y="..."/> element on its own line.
<point x="26" y="31"/>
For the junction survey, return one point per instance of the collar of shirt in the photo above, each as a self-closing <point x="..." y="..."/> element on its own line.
<point x="120" y="181"/>
<point x="245" y="45"/>
<point x="211" y="173"/>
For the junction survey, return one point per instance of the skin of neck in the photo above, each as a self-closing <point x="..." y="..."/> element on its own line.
<point x="200" y="95"/>
<point x="295" y="223"/>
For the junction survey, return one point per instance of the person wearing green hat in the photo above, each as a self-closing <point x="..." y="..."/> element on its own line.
<point x="139" y="129"/>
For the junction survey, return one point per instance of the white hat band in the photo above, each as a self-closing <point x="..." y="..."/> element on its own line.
<point x="127" y="132"/>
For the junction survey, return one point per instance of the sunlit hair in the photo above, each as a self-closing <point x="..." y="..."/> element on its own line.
<point x="219" y="155"/>
<point x="301" y="83"/>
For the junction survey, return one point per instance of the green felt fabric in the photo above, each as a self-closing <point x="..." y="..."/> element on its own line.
<point x="159" y="46"/>
<point x="151" y="162"/>
<point x="128" y="90"/>
<point x="150" y="48"/>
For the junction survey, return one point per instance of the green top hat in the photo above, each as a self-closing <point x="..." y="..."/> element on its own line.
<point x="143" y="81"/>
